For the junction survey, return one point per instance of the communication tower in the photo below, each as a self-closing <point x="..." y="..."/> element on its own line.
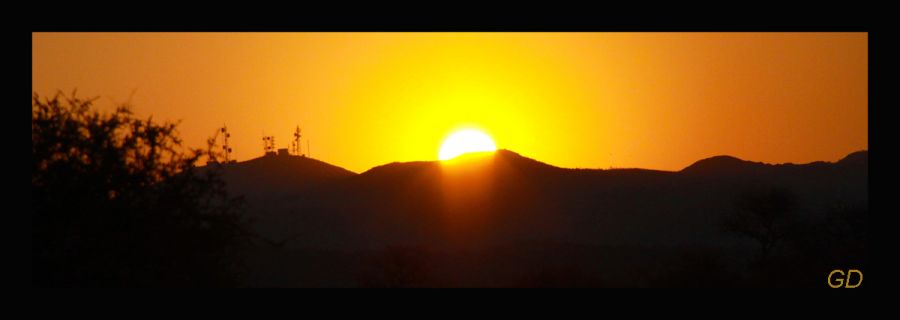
<point x="295" y="144"/>
<point x="269" y="145"/>
<point x="225" y="148"/>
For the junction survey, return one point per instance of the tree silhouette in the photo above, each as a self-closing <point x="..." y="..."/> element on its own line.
<point x="117" y="202"/>
<point x="763" y="216"/>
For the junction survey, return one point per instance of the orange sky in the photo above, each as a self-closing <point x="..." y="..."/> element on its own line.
<point x="589" y="100"/>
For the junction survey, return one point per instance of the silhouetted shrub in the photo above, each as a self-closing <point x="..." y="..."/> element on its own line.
<point x="764" y="216"/>
<point x="116" y="202"/>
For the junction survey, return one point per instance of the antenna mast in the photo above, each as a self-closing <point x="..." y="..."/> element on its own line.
<point x="269" y="145"/>
<point x="295" y="145"/>
<point x="225" y="148"/>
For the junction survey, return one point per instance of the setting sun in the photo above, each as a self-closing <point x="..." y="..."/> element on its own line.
<point x="465" y="141"/>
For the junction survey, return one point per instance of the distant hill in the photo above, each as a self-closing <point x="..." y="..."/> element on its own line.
<point x="859" y="158"/>
<point x="280" y="175"/>
<point x="508" y="208"/>
<point x="504" y="196"/>
<point x="721" y="165"/>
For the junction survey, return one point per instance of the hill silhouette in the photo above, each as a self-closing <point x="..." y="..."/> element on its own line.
<point x="490" y="201"/>
<point x="279" y="175"/>
<point x="721" y="165"/>
<point x="859" y="159"/>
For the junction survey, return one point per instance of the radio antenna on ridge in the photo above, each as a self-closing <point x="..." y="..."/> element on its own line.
<point x="295" y="144"/>
<point x="225" y="148"/>
<point x="268" y="144"/>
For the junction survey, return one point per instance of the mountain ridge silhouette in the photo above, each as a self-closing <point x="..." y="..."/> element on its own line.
<point x="492" y="201"/>
<point x="516" y="197"/>
<point x="318" y="170"/>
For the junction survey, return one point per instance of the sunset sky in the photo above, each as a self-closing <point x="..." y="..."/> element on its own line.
<point x="587" y="100"/>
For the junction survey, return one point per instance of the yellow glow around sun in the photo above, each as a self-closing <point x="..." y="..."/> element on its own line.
<point x="465" y="141"/>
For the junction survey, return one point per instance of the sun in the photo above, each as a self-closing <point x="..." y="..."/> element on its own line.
<point x="464" y="141"/>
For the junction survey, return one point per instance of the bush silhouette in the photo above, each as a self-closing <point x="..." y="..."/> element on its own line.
<point x="116" y="202"/>
<point x="766" y="216"/>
